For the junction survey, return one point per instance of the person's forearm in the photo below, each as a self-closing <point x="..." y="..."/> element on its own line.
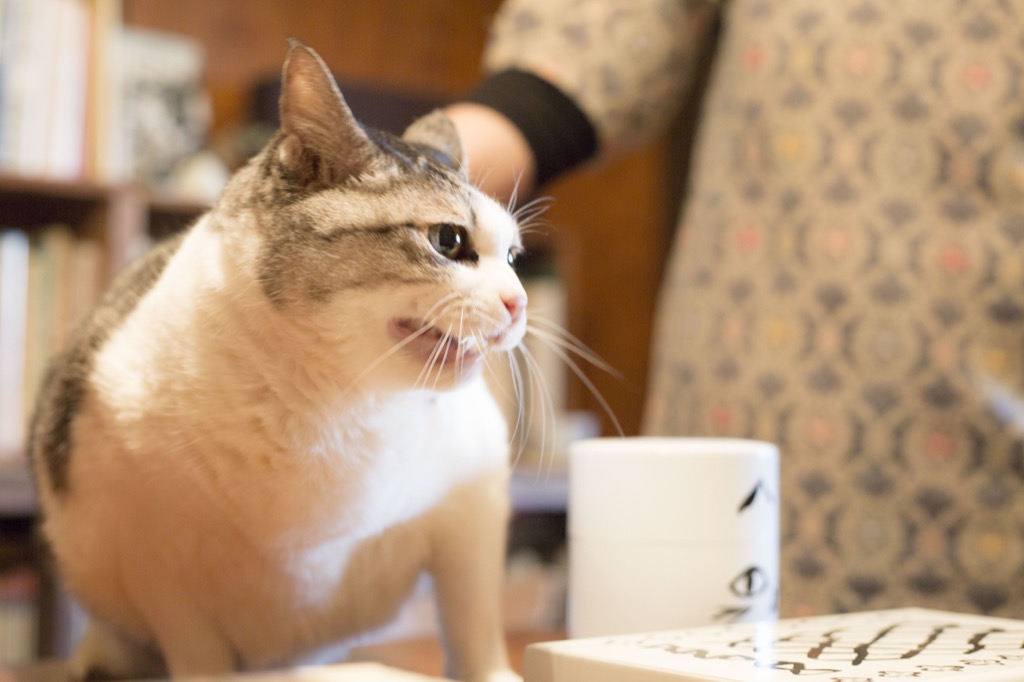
<point x="519" y="132"/>
<point x="498" y="157"/>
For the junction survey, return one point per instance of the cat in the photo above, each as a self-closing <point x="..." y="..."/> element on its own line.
<point x="273" y="423"/>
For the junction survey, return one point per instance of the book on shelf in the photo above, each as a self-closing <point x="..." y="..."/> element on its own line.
<point x="164" y="111"/>
<point x="49" y="278"/>
<point x="873" y="646"/>
<point x="68" y="89"/>
<point x="82" y="96"/>
<point x="14" y="277"/>
<point x="103" y="148"/>
<point x="44" y="61"/>
<point x="19" y="615"/>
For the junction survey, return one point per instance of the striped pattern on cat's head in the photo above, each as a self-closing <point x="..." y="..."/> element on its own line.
<point x="372" y="240"/>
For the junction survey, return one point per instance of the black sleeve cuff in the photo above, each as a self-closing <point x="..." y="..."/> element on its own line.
<point x="559" y="133"/>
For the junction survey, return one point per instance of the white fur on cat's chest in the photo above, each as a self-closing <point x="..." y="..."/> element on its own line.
<point x="296" y="481"/>
<point x="285" y="537"/>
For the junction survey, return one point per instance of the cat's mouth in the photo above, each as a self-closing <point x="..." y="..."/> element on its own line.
<point x="436" y="346"/>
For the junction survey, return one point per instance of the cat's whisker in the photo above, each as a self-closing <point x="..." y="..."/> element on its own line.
<point x="444" y="347"/>
<point x="434" y="361"/>
<point x="562" y="349"/>
<point x="497" y="382"/>
<point x="514" y="195"/>
<point x="527" y="388"/>
<point x="508" y="391"/>
<point x="459" y="343"/>
<point x="535" y="206"/>
<point x="423" y="377"/>
<point x="517" y="182"/>
<point x="518" y="389"/>
<point x="554" y="333"/>
<point x="528" y="216"/>
<point x="539" y="389"/>
<point x="438" y="308"/>
<point x="480" y="179"/>
<point x="463" y="341"/>
<point x="390" y="352"/>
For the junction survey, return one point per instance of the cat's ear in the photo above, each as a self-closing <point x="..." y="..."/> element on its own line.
<point x="437" y="131"/>
<point x="323" y="142"/>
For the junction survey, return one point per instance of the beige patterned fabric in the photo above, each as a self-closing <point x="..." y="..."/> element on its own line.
<point x="849" y="278"/>
<point x="622" y="61"/>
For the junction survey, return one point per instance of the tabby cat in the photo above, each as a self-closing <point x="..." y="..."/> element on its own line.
<point x="275" y="422"/>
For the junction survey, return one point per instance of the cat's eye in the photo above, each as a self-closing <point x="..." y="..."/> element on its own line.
<point x="448" y="240"/>
<point x="513" y="256"/>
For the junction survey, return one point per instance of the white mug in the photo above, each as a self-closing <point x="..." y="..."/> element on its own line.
<point x="667" y="533"/>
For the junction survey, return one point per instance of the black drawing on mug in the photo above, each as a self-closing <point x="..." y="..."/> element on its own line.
<point x="751" y="584"/>
<point x="760" y="490"/>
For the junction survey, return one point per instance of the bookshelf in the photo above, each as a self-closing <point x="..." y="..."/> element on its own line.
<point x="120" y="220"/>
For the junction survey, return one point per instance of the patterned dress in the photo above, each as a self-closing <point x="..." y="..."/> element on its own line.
<point x="848" y="277"/>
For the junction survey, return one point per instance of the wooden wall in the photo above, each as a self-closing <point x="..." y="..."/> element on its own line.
<point x="609" y="226"/>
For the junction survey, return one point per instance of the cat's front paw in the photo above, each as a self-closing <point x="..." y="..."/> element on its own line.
<point x="102" y="654"/>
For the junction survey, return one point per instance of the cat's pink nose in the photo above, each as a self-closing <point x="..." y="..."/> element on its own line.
<point x="515" y="305"/>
